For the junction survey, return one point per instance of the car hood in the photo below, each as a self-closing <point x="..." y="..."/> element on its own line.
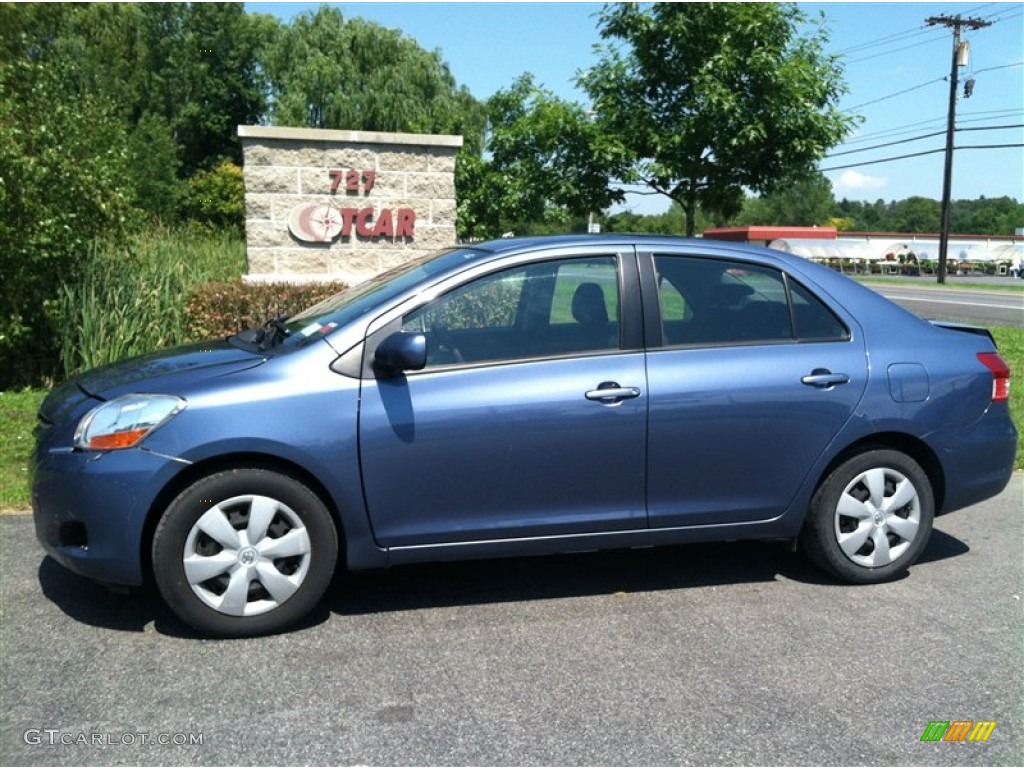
<point x="161" y="372"/>
<point x="158" y="370"/>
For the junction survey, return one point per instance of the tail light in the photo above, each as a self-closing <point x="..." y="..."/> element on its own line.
<point x="1000" y="375"/>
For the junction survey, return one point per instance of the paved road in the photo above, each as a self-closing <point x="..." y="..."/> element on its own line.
<point x="963" y="304"/>
<point x="704" y="654"/>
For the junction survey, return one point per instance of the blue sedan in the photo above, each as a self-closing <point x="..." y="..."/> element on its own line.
<point x="516" y="397"/>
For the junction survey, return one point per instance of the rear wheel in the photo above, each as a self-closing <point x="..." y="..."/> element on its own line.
<point x="244" y="552"/>
<point x="871" y="517"/>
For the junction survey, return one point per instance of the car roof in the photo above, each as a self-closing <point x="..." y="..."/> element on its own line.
<point x="506" y="244"/>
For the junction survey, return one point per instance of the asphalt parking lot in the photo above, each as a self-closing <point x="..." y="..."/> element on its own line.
<point x="704" y="654"/>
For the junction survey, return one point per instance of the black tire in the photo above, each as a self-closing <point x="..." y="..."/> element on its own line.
<point x="871" y="518"/>
<point x="234" y="587"/>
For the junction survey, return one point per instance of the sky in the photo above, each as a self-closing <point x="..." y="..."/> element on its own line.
<point x="896" y="68"/>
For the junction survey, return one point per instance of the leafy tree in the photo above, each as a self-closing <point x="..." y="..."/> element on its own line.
<point x="180" y="76"/>
<point x="546" y="159"/>
<point x="671" y="222"/>
<point x="217" y="82"/>
<point x="195" y="66"/>
<point x="711" y="98"/>
<point x="986" y="216"/>
<point x="916" y="214"/>
<point x="153" y="170"/>
<point x="326" y="72"/>
<point x="63" y="171"/>
<point x="920" y="215"/>
<point x="806" y="202"/>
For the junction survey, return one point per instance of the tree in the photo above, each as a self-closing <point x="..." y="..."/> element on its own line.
<point x="218" y="80"/>
<point x="916" y="214"/>
<point x="668" y="223"/>
<point x="546" y="159"/>
<point x="326" y="72"/>
<point x="806" y="202"/>
<point x="63" y="172"/>
<point x="179" y="76"/>
<point x="709" y="99"/>
<point x="987" y="216"/>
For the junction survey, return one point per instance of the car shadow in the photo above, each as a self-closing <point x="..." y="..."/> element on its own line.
<point x="942" y="546"/>
<point x="478" y="582"/>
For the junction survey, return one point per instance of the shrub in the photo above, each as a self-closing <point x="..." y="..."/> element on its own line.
<point x="221" y="309"/>
<point x="216" y="197"/>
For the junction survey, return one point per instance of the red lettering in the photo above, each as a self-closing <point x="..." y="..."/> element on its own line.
<point x="353" y="180"/>
<point x="385" y="227"/>
<point x="406" y="223"/>
<point x="347" y="215"/>
<point x="363" y="222"/>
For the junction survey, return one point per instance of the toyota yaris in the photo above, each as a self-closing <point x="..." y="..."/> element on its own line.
<point x="518" y="397"/>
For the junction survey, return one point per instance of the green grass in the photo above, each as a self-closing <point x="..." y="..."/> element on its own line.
<point x="17" y="419"/>
<point x="1011" y="346"/>
<point x="1010" y="286"/>
<point x="18" y="409"/>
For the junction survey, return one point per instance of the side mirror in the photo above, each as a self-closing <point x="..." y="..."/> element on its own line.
<point x="401" y="352"/>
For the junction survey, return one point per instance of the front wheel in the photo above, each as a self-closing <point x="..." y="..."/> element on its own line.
<point x="244" y="552"/>
<point x="871" y="517"/>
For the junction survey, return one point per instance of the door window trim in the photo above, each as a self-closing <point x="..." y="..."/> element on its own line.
<point x="631" y="334"/>
<point x="651" y="304"/>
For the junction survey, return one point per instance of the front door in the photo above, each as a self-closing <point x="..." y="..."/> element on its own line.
<point x="506" y="432"/>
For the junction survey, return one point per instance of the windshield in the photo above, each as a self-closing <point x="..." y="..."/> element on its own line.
<point x="342" y="308"/>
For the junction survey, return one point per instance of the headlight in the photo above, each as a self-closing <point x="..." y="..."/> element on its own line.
<point x="125" y="421"/>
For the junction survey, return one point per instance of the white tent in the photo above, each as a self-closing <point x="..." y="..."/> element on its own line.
<point x="813" y="248"/>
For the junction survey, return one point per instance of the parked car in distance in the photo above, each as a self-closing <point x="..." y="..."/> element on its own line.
<point x="516" y="397"/>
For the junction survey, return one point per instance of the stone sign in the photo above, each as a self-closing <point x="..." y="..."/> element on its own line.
<point x="344" y="205"/>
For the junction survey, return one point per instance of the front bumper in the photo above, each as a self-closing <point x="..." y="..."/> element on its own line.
<point x="90" y="509"/>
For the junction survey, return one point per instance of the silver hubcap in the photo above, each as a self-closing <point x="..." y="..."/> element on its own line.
<point x="246" y="555"/>
<point x="877" y="518"/>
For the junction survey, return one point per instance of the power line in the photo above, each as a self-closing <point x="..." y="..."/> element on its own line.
<point x="990" y="146"/>
<point x="902" y="35"/>
<point x="1001" y="66"/>
<point x="992" y="127"/>
<point x="922" y="137"/>
<point x="916" y="154"/>
<point x="930" y="82"/>
<point x="882" y="160"/>
<point x="901" y="49"/>
<point x="888" y="144"/>
<point x="908" y="34"/>
<point x="894" y="95"/>
<point x="927" y="124"/>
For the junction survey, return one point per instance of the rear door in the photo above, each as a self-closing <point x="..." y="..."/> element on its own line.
<point x="750" y="378"/>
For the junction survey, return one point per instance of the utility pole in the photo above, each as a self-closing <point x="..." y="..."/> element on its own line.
<point x="955" y="22"/>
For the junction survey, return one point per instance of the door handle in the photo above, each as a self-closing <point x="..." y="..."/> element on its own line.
<point x="824" y="378"/>
<point x="610" y="392"/>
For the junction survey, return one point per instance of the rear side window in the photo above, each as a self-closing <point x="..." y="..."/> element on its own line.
<point x="716" y="301"/>
<point x="814" y="321"/>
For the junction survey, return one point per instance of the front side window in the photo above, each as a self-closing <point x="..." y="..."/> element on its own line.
<point x="547" y="308"/>
<point x="714" y="301"/>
